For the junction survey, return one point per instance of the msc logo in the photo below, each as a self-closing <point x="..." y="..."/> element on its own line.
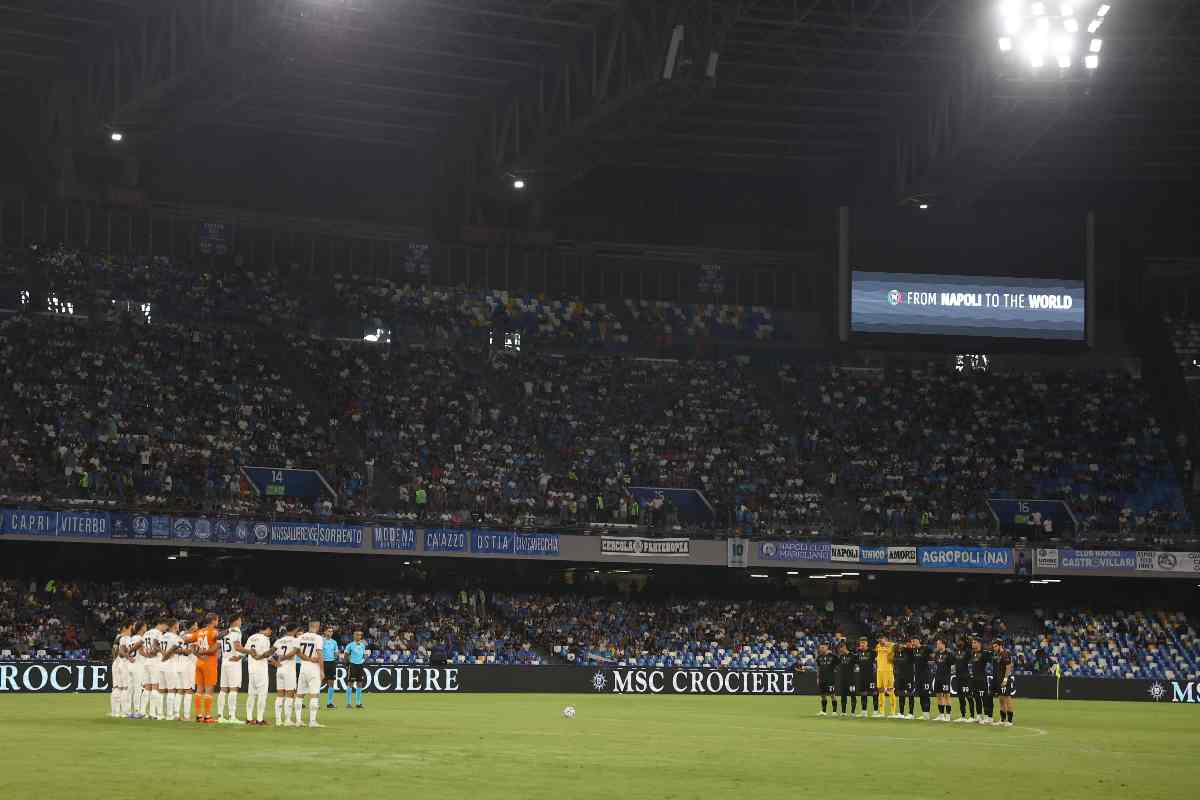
<point x="1157" y="691"/>
<point x="1167" y="561"/>
<point x="1182" y="692"/>
<point x="895" y="297"/>
<point x="599" y="681"/>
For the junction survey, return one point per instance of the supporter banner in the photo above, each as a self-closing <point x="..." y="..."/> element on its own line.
<point x="737" y="553"/>
<point x="121" y="525"/>
<point x="1105" y="561"/>
<point x="537" y="544"/>
<point x="183" y="528"/>
<point x="445" y="540"/>
<point x="967" y="558"/>
<point x="902" y="555"/>
<point x="30" y="523"/>
<point x="844" y="552"/>
<point x="79" y="524"/>
<point x="873" y="555"/>
<point x="139" y="526"/>
<point x="389" y="538"/>
<point x="794" y="551"/>
<point x="312" y="534"/>
<point x="637" y="547"/>
<point x="202" y="529"/>
<point x="1150" y="561"/>
<point x="85" y="524"/>
<point x="160" y="527"/>
<point x="492" y="542"/>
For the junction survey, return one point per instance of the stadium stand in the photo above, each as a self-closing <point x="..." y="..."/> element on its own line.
<point x="68" y="619"/>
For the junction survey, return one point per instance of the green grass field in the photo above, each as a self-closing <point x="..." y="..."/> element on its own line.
<point x="520" y="746"/>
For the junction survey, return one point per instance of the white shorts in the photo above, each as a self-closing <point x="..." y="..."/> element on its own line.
<point x="285" y="678"/>
<point x="137" y="674"/>
<point x="259" y="681"/>
<point x="170" y="676"/>
<point x="120" y="673"/>
<point x="309" y="683"/>
<point x="231" y="675"/>
<point x="186" y="671"/>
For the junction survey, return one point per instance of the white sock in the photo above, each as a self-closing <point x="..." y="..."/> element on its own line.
<point x="147" y="694"/>
<point x="158" y="703"/>
<point x="288" y="704"/>
<point x="221" y="704"/>
<point x="297" y="709"/>
<point x="278" y="708"/>
<point x="174" y="703"/>
<point x="261" y="707"/>
<point x="185" y="705"/>
<point x="313" y="705"/>
<point x="233" y="700"/>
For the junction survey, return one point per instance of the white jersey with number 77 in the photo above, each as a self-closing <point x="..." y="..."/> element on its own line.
<point x="310" y="644"/>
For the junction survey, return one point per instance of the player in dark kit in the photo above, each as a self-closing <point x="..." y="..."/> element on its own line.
<point x="962" y="682"/>
<point x="943" y="666"/>
<point x="981" y="682"/>
<point x="1006" y="688"/>
<point x="922" y="675"/>
<point x="827" y="664"/>
<point x="864" y="676"/>
<point x="905" y="663"/>
<point x="845" y="677"/>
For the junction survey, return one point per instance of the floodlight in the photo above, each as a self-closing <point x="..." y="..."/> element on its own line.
<point x="1064" y="61"/>
<point x="1094" y="25"/>
<point x="1005" y="44"/>
<point x="1071" y="25"/>
<point x="518" y="183"/>
<point x="1043" y="24"/>
<point x="1104" y="9"/>
<point x="1012" y="25"/>
<point x="1095" y="45"/>
<point x="1091" y="61"/>
<point x="923" y="206"/>
<point x="116" y="136"/>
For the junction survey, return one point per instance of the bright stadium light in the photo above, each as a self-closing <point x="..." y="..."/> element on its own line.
<point x="518" y="183"/>
<point x="1041" y="32"/>
<point x="1096" y="45"/>
<point x="116" y="136"/>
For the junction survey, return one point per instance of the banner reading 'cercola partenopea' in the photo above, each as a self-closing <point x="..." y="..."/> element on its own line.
<point x="637" y="546"/>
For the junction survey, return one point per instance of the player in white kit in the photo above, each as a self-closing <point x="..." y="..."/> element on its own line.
<point x="137" y="670"/>
<point x="171" y="644"/>
<point x="231" y="671"/>
<point x="312" y="671"/>
<point x="119" y="700"/>
<point x="152" y="706"/>
<point x="259" y="651"/>
<point x="187" y="672"/>
<point x="283" y="659"/>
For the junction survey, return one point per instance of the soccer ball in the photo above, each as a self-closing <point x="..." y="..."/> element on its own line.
<point x="569" y="712"/>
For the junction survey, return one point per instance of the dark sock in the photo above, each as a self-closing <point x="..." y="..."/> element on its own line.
<point x="824" y="703"/>
<point x="1010" y="717"/>
<point x="875" y="702"/>
<point x="853" y="704"/>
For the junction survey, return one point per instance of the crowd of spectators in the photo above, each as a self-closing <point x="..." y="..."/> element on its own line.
<point x="458" y="433"/>
<point x="75" y="619"/>
<point x="922" y="450"/>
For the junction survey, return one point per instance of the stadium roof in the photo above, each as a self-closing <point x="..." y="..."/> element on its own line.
<point x="901" y="97"/>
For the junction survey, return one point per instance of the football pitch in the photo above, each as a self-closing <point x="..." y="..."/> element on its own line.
<point x="520" y="746"/>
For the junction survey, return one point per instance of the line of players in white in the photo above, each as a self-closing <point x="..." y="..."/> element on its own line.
<point x="164" y="673"/>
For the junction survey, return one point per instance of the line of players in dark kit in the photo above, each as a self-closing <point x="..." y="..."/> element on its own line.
<point x="909" y="671"/>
